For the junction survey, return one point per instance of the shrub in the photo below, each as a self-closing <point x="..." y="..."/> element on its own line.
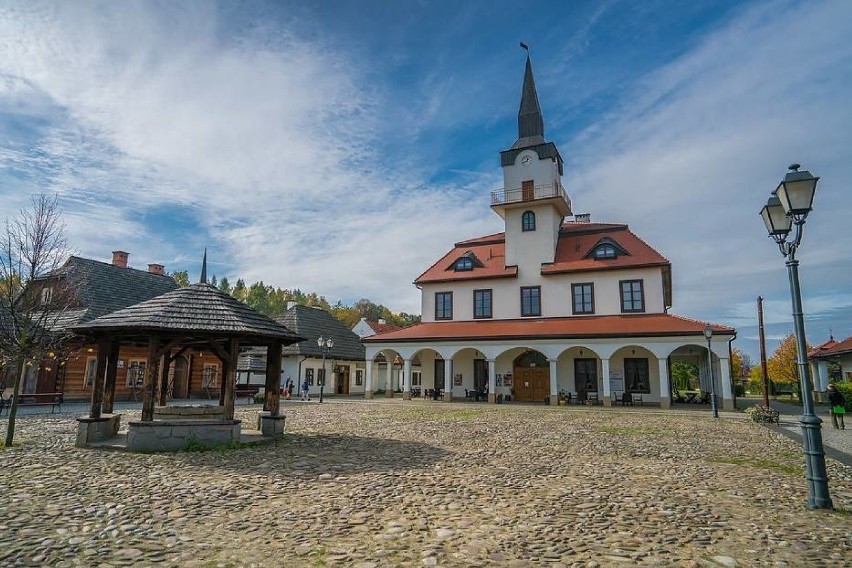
<point x="259" y="397"/>
<point x="845" y="389"/>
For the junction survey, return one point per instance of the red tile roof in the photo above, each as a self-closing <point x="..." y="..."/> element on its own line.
<point x="641" y="325"/>
<point x="831" y="348"/>
<point x="380" y="328"/>
<point x="576" y="241"/>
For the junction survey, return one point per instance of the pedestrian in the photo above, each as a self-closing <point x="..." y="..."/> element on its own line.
<point x="288" y="388"/>
<point x="306" y="394"/>
<point x="838" y="407"/>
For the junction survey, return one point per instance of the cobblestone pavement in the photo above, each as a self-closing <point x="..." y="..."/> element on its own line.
<point x="428" y="484"/>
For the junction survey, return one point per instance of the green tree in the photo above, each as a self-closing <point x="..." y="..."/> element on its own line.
<point x="181" y="277"/>
<point x="224" y="285"/>
<point x="240" y="291"/>
<point x="684" y="374"/>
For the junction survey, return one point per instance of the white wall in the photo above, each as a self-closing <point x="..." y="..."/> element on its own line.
<point x="541" y="171"/>
<point x="555" y="293"/>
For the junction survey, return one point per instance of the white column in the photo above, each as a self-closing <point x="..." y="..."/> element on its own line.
<point x="368" y="381"/>
<point x="607" y="401"/>
<point x="406" y="380"/>
<point x="821" y="374"/>
<point x="725" y="380"/>
<point x="554" y="382"/>
<point x="665" y="387"/>
<point x="448" y="380"/>
<point x="492" y="380"/>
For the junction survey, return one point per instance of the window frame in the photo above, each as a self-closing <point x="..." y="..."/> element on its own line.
<point x="468" y="264"/>
<point x="531" y="314"/>
<point x="210" y="375"/>
<point x="309" y="376"/>
<point x="632" y="310"/>
<point x="490" y="314"/>
<point x="628" y="386"/>
<point x="416" y="378"/>
<point x="133" y="366"/>
<point x="528" y="227"/>
<point x="608" y="247"/>
<point x="46" y="295"/>
<point x="445" y="295"/>
<point x="89" y="374"/>
<point x="581" y="311"/>
<point x="359" y="377"/>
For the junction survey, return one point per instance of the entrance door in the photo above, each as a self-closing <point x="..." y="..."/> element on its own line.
<point x="439" y="374"/>
<point x="180" y="386"/>
<point x="343" y="381"/>
<point x="531" y="384"/>
<point x="480" y="374"/>
<point x="586" y="376"/>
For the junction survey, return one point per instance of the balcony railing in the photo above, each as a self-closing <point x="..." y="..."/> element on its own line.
<point x="522" y="194"/>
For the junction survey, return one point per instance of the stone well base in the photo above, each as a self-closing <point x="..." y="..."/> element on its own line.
<point x="189" y="412"/>
<point x="269" y="425"/>
<point x="173" y="435"/>
<point x="96" y="429"/>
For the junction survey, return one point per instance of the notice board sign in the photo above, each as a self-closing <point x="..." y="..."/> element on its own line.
<point x="616" y="381"/>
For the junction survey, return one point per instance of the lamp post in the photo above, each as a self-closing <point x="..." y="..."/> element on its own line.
<point x="325" y="344"/>
<point x="790" y="204"/>
<point x="708" y="333"/>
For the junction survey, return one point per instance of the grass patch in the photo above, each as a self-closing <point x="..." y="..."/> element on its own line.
<point x="760" y="463"/>
<point x="624" y="431"/>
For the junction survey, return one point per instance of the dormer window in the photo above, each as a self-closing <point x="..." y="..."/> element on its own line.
<point x="464" y="263"/>
<point x="528" y="221"/>
<point x="46" y="295"/>
<point x="606" y="249"/>
<point x="604" y="252"/>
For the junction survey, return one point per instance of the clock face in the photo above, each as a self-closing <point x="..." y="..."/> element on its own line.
<point x="526" y="160"/>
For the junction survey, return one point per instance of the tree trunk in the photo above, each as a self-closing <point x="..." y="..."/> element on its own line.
<point x="13" y="410"/>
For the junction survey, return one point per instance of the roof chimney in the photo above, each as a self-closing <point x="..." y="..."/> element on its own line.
<point x="381" y="321"/>
<point x="157" y="269"/>
<point x="583" y="218"/>
<point x="119" y="258"/>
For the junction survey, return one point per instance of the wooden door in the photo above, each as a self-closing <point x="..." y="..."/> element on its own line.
<point x="531" y="384"/>
<point x="527" y="190"/>
<point x="586" y="376"/>
<point x="343" y="381"/>
<point x="480" y="374"/>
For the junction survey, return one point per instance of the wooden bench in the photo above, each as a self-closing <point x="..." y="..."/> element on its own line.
<point x="51" y="399"/>
<point x="785" y="390"/>
<point x="247" y="391"/>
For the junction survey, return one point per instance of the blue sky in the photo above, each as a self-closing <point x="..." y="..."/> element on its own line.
<point x="342" y="147"/>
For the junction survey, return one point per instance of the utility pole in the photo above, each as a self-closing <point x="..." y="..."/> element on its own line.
<point x="763" y="352"/>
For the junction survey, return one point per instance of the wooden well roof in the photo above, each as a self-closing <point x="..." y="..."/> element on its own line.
<point x="198" y="309"/>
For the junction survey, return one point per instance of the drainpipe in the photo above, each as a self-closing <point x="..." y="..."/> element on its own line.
<point x="299" y="376"/>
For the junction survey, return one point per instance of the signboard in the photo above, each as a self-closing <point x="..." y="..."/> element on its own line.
<point x="616" y="381"/>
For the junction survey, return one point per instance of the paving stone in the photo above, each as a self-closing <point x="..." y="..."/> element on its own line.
<point x="417" y="484"/>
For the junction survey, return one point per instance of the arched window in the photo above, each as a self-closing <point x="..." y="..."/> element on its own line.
<point x="528" y="221"/>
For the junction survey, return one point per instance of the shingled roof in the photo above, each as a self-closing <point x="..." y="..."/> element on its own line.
<point x="311" y="323"/>
<point x="105" y="288"/>
<point x="196" y="309"/>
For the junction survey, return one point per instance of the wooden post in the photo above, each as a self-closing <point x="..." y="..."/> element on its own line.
<point x="111" y="371"/>
<point x="164" y="379"/>
<point x="149" y="382"/>
<point x="272" y="401"/>
<point x="229" y="377"/>
<point x="100" y="370"/>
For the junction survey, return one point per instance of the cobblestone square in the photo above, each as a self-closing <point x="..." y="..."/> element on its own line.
<point x="428" y="484"/>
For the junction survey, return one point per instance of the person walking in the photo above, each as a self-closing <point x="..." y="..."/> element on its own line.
<point x="288" y="388"/>
<point x="306" y="394"/>
<point x="838" y="407"/>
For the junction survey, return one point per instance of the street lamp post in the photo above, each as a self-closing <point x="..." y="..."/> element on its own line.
<point x="790" y="204"/>
<point x="325" y="344"/>
<point x="708" y="333"/>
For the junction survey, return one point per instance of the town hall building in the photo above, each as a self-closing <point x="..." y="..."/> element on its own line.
<point x="555" y="306"/>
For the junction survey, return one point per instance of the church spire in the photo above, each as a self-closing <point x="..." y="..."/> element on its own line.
<point x="530" y="122"/>
<point x="203" y="278"/>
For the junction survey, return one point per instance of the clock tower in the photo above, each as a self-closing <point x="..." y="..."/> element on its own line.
<point x="532" y="202"/>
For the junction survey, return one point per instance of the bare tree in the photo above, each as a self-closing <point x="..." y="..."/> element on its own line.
<point x="35" y="293"/>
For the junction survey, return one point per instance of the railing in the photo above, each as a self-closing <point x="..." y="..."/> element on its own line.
<point x="519" y="195"/>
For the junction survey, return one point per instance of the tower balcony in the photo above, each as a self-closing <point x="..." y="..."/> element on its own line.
<point x="502" y="199"/>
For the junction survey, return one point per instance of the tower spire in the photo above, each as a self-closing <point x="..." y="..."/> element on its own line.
<point x="203" y="278"/>
<point x="530" y="122"/>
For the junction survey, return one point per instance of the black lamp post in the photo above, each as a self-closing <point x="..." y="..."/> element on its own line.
<point x="325" y="344"/>
<point x="790" y="204"/>
<point x="708" y="333"/>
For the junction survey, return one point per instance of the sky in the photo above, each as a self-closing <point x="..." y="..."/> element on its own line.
<point x="342" y="147"/>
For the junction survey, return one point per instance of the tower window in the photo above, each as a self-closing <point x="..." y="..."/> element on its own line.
<point x="482" y="304"/>
<point x="528" y="221"/>
<point x="530" y="301"/>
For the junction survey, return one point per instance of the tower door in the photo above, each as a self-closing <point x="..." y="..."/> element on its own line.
<point x="528" y="190"/>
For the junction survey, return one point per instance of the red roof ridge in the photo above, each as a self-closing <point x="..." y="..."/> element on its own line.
<point x="485" y="239"/>
<point x="693" y="320"/>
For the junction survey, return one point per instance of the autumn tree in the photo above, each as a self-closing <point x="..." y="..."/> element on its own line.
<point x="782" y="366"/>
<point x="181" y="277"/>
<point x="740" y="364"/>
<point x="33" y="247"/>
